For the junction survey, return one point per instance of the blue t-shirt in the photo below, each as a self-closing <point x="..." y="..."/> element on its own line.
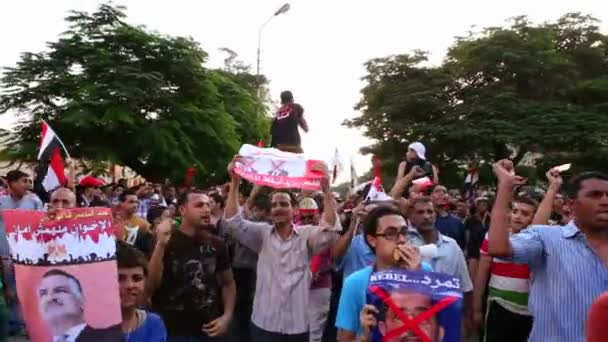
<point x="152" y="330"/>
<point x="352" y="298"/>
<point x="453" y="227"/>
<point x="358" y="256"/>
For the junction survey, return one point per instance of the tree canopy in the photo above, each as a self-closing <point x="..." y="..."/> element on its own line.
<point x="120" y="93"/>
<point x="504" y="91"/>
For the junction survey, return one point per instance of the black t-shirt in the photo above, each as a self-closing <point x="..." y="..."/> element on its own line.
<point x="285" y="124"/>
<point x="189" y="294"/>
<point x="477" y="233"/>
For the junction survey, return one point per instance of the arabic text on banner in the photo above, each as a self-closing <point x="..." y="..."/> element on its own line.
<point x="66" y="273"/>
<point x="277" y="169"/>
<point x="419" y="305"/>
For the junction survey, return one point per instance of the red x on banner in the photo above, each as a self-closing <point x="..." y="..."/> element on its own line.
<point x="410" y="324"/>
<point x="276" y="165"/>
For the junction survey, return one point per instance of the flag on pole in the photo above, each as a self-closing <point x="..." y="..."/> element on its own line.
<point x="353" y="175"/>
<point x="52" y="172"/>
<point x="336" y="165"/>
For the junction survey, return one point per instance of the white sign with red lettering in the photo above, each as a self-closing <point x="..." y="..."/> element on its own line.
<point x="277" y="169"/>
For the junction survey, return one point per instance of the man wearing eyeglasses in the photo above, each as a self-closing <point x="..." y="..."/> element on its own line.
<point x="449" y="259"/>
<point x="385" y="230"/>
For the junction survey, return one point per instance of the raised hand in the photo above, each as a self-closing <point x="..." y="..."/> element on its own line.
<point x="163" y="232"/>
<point x="554" y="178"/>
<point x="505" y="172"/>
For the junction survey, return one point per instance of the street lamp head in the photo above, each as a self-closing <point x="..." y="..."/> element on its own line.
<point x="282" y="10"/>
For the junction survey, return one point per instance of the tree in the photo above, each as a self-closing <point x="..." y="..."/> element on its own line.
<point x="119" y="93"/>
<point x="504" y="91"/>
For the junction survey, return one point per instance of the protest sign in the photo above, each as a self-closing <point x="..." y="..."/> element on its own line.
<point x="277" y="169"/>
<point x="66" y="273"/>
<point x="415" y="306"/>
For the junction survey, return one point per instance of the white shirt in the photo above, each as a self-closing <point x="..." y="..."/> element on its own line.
<point x="71" y="334"/>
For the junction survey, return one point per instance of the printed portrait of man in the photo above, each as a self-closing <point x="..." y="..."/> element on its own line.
<point x="412" y="304"/>
<point x="61" y="304"/>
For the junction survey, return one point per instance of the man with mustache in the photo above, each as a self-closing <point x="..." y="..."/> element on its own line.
<point x="190" y="275"/>
<point x="61" y="305"/>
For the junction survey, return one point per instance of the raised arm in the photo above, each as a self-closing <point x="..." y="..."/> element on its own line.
<point x="546" y="206"/>
<point x="302" y="121"/>
<point x="339" y="248"/>
<point x="403" y="180"/>
<point x="322" y="237"/>
<point x="250" y="234"/>
<point x="163" y="234"/>
<point x="498" y="235"/>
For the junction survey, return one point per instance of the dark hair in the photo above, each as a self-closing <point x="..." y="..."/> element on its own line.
<point x="15" y="175"/>
<point x="422" y="200"/>
<point x="183" y="197"/>
<point x="217" y="198"/>
<point x="123" y="196"/>
<point x="526" y="200"/>
<point x="262" y="202"/>
<point x="286" y="97"/>
<point x="130" y="257"/>
<point x="576" y="183"/>
<point x="370" y="223"/>
<point x="58" y="272"/>
<point x="292" y="197"/>
<point x="154" y="213"/>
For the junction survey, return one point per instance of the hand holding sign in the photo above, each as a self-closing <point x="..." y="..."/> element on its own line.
<point x="554" y="178"/>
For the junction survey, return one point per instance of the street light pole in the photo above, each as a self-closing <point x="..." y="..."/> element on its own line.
<point x="281" y="10"/>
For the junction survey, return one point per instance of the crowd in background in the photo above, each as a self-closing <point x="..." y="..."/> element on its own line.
<point x="243" y="262"/>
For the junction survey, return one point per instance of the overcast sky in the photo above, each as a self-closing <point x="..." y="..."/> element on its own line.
<point x="317" y="49"/>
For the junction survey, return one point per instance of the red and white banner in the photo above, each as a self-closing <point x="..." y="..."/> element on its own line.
<point x="277" y="169"/>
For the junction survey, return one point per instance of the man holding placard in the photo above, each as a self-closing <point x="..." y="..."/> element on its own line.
<point x="280" y="308"/>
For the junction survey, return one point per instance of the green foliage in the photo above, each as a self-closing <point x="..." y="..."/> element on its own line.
<point x="501" y="92"/>
<point x="117" y="92"/>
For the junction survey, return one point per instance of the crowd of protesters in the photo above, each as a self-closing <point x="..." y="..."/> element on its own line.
<point x="242" y="262"/>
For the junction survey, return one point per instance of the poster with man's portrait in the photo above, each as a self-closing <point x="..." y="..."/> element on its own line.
<point x="66" y="273"/>
<point x="415" y="306"/>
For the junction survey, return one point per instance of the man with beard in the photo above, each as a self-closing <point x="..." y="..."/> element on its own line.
<point x="61" y="304"/>
<point x="280" y="307"/>
<point x="450" y="258"/>
<point x="568" y="263"/>
<point x="190" y="275"/>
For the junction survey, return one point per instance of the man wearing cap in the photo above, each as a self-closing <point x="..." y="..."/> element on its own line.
<point x="90" y="190"/>
<point x="284" y="130"/>
<point x="19" y="197"/>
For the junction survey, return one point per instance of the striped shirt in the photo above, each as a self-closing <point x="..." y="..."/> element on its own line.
<point x="509" y="283"/>
<point x="283" y="279"/>
<point x="567" y="277"/>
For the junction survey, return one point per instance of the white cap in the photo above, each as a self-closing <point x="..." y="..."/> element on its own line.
<point x="419" y="148"/>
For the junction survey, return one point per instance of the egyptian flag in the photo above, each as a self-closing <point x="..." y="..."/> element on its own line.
<point x="51" y="171"/>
